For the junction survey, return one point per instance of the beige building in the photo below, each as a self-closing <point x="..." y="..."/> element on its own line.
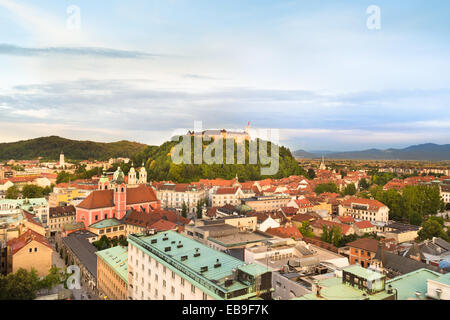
<point x="30" y="250"/>
<point x="226" y="195"/>
<point x="267" y="203"/>
<point x="172" y="196"/>
<point x="60" y="216"/>
<point x="112" y="273"/>
<point x="364" y="209"/>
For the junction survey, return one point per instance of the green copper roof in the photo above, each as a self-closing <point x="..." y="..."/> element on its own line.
<point x="117" y="259"/>
<point x="445" y="279"/>
<point x="73" y="226"/>
<point x="408" y="284"/>
<point x="106" y="224"/>
<point x="181" y="260"/>
<point x="334" y="289"/>
<point x="363" y="273"/>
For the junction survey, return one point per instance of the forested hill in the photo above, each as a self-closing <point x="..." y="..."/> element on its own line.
<point x="49" y="148"/>
<point x="160" y="167"/>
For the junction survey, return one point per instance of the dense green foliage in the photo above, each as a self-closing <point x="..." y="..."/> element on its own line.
<point x="326" y="187"/>
<point x="24" y="285"/>
<point x="12" y="193"/>
<point x="306" y="230"/>
<point x="80" y="173"/>
<point x="433" y="227"/>
<point x="333" y="235"/>
<point x="311" y="174"/>
<point x="159" y="165"/>
<point x="350" y="189"/>
<point x="381" y="178"/>
<point x="106" y="243"/>
<point x="49" y="148"/>
<point x="411" y="205"/>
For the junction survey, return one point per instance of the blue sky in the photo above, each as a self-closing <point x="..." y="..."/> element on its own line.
<point x="139" y="70"/>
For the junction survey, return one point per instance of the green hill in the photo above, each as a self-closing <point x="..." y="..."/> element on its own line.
<point x="160" y="167"/>
<point x="49" y="148"/>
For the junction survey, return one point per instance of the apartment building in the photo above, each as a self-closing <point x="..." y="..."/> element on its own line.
<point x="267" y="203"/>
<point x="174" y="195"/>
<point x="59" y="216"/>
<point x="225" y="195"/>
<point x="170" y="266"/>
<point x="112" y="273"/>
<point x="364" y="209"/>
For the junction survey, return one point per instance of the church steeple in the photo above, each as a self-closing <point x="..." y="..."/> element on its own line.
<point x="322" y="164"/>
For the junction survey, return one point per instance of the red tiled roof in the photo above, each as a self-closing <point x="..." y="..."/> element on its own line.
<point x="346" y="219"/>
<point x="141" y="194"/>
<point x="285" y="232"/>
<point x="227" y="190"/>
<point x="373" y="204"/>
<point x="364" y="224"/>
<point x="365" y="244"/>
<point x="21" y="241"/>
<point x="163" y="225"/>
<point x="98" y="199"/>
<point x="289" y="211"/>
<point x="303" y="217"/>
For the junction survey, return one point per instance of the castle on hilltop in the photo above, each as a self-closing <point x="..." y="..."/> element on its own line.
<point x="224" y="134"/>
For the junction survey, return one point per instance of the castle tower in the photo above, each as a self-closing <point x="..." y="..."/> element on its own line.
<point x="132" y="177"/>
<point x="247" y="128"/>
<point x="61" y="159"/>
<point x="142" y="175"/>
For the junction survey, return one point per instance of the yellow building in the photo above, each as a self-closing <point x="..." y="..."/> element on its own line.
<point x="112" y="228"/>
<point x="30" y="250"/>
<point x="112" y="273"/>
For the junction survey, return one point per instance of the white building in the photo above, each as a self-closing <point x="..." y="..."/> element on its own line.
<point x="170" y="266"/>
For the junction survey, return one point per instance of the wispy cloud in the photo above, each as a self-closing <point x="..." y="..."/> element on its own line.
<point x="8" y="49"/>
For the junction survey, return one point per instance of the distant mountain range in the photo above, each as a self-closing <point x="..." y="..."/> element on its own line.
<point x="51" y="147"/>
<point x="428" y="151"/>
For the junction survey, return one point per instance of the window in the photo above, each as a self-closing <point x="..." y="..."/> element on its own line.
<point x="192" y="288"/>
<point x="31" y="249"/>
<point x="181" y="296"/>
<point x="173" y="290"/>
<point x="182" y="282"/>
<point x="164" y="283"/>
<point x="156" y="277"/>
<point x="35" y="249"/>
<point x="173" y="275"/>
<point x="205" y="296"/>
<point x="164" y="269"/>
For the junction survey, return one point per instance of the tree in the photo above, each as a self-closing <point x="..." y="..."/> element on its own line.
<point x="184" y="210"/>
<point x="363" y="184"/>
<point x="199" y="209"/>
<point x="326" y="187"/>
<point x="433" y="227"/>
<point x="123" y="241"/>
<point x="306" y="230"/>
<point x="12" y="193"/>
<point x="350" y="189"/>
<point x="311" y="174"/>
<point x="31" y="191"/>
<point x="103" y="243"/>
<point x="22" y="285"/>
<point x="53" y="278"/>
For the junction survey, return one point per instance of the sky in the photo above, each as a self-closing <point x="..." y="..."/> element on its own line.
<point x="110" y="70"/>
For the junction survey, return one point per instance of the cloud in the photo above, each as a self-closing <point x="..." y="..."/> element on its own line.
<point x="306" y="119"/>
<point x="7" y="49"/>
